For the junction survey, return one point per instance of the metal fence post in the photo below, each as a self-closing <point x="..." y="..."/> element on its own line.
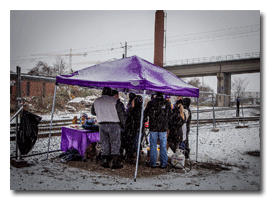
<point x="140" y="136"/>
<point x="51" y="120"/>
<point x="243" y="112"/>
<point x="197" y="129"/>
<point x="214" y="119"/>
<point x="18" y="153"/>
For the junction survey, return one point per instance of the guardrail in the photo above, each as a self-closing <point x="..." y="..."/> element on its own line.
<point x="229" y="57"/>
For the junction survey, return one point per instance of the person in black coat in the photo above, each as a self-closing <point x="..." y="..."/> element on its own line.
<point x="131" y="97"/>
<point x="132" y="127"/>
<point x="186" y="104"/>
<point x="176" y="122"/>
<point x="159" y="112"/>
<point x="121" y="106"/>
<point x="121" y="110"/>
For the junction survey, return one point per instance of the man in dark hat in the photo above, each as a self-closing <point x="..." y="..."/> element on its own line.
<point x="110" y="122"/>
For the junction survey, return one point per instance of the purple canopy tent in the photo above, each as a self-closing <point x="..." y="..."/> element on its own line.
<point x="129" y="74"/>
<point x="132" y="73"/>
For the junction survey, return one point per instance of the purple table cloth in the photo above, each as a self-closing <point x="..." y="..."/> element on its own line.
<point x="78" y="139"/>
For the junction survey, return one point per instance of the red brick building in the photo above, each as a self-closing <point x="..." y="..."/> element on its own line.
<point x="32" y="86"/>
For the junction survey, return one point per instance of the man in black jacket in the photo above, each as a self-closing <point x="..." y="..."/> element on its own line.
<point x="159" y="112"/>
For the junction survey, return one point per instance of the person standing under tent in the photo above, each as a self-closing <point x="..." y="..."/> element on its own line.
<point x="131" y="97"/>
<point x="159" y="112"/>
<point x="176" y="123"/>
<point x="115" y="94"/>
<point x="178" y="98"/>
<point x="121" y="108"/>
<point x="186" y="104"/>
<point x="110" y="121"/>
<point x="132" y="128"/>
<point x="168" y="98"/>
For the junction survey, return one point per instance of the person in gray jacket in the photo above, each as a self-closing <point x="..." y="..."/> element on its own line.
<point x="110" y="120"/>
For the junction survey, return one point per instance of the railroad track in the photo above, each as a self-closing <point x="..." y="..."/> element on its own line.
<point x="44" y="126"/>
<point x="226" y="120"/>
<point x="224" y="109"/>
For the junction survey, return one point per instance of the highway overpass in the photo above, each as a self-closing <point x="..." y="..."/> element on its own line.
<point x="223" y="69"/>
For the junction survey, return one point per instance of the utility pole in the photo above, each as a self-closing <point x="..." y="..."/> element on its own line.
<point x="126" y="47"/>
<point x="70" y="60"/>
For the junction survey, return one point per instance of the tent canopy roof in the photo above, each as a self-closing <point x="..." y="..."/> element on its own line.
<point x="130" y="74"/>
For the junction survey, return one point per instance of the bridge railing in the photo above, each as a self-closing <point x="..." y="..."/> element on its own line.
<point x="213" y="59"/>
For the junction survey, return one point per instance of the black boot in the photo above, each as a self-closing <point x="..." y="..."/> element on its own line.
<point x="105" y="161"/>
<point x="115" y="162"/>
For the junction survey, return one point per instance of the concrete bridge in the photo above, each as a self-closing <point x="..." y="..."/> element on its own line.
<point x="221" y="66"/>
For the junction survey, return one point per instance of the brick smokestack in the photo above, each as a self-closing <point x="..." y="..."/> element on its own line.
<point x="159" y="38"/>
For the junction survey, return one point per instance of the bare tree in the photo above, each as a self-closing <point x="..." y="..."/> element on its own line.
<point x="239" y="85"/>
<point x="60" y="66"/>
<point x="195" y="82"/>
<point x="43" y="69"/>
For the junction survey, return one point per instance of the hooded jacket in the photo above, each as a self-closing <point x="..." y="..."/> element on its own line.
<point x="159" y="112"/>
<point x="133" y="116"/>
<point x="175" y="127"/>
<point x="186" y="104"/>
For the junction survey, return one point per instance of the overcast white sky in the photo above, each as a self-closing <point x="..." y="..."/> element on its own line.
<point x="101" y="34"/>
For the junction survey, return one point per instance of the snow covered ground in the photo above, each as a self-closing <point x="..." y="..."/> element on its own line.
<point x="227" y="147"/>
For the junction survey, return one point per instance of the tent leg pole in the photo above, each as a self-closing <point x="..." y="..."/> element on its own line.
<point x="140" y="135"/>
<point x="51" y="120"/>
<point x="197" y="129"/>
<point x="125" y="100"/>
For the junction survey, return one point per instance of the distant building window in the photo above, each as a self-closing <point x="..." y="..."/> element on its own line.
<point x="28" y="89"/>
<point x="44" y="89"/>
<point x="11" y="89"/>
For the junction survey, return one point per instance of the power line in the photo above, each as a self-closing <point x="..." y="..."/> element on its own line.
<point x="220" y="30"/>
<point x="211" y="40"/>
<point x="188" y="38"/>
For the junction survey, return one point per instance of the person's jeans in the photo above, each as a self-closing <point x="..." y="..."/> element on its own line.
<point x="153" y="148"/>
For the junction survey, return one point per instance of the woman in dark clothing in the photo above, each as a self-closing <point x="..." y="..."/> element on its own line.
<point x="131" y="97"/>
<point x="124" y="137"/>
<point x="175" y="126"/>
<point x="132" y="128"/>
<point x="186" y="104"/>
